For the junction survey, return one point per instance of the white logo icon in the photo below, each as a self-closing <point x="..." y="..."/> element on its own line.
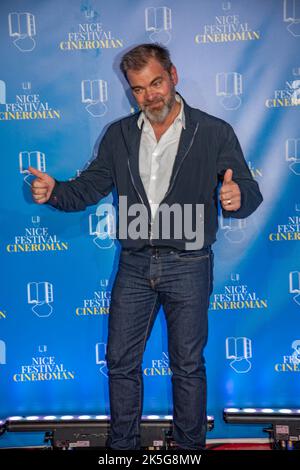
<point x="226" y="6"/>
<point x="22" y="27"/>
<point x="94" y="92"/>
<point x="41" y="295"/>
<point x="35" y="159"/>
<point x="89" y="12"/>
<point x="292" y="154"/>
<point x="26" y="85"/>
<point x="233" y="229"/>
<point x="103" y="225"/>
<point x="35" y="220"/>
<point x="240" y="350"/>
<point x="291" y="15"/>
<point x="158" y="21"/>
<point x="296" y="71"/>
<point x="2" y="92"/>
<point x="296" y="353"/>
<point x="2" y="352"/>
<point x="296" y="93"/>
<point x="294" y="285"/>
<point x="229" y="86"/>
<point x="101" y="358"/>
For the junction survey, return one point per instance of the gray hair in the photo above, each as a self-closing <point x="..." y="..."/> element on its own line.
<point x="138" y="57"/>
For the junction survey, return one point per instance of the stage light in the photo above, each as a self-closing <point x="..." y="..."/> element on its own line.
<point x="285" y="423"/>
<point x="68" y="431"/>
<point x="259" y="415"/>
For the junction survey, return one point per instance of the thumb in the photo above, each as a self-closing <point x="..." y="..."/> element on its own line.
<point x="228" y="176"/>
<point x="36" y="172"/>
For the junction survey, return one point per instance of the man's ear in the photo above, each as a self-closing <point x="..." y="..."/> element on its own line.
<point x="173" y="75"/>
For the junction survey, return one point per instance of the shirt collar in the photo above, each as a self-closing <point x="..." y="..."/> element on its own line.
<point x="179" y="118"/>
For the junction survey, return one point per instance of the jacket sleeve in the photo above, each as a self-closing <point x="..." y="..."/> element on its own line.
<point x="231" y="156"/>
<point x="87" y="189"/>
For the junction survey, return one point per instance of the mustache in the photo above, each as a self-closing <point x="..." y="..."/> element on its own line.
<point x="155" y="101"/>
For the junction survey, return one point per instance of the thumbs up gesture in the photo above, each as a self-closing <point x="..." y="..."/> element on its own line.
<point x="42" y="186"/>
<point x="230" y="194"/>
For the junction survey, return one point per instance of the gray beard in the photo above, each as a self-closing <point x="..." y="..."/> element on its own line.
<point x="159" y="116"/>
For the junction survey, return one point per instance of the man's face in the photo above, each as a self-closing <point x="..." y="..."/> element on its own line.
<point x="154" y="89"/>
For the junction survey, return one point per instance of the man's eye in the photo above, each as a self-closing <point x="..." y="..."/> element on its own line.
<point x="157" y="84"/>
<point x="137" y="90"/>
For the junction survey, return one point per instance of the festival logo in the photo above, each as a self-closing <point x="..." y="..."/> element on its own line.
<point x="237" y="296"/>
<point x="239" y="351"/>
<point x="255" y="172"/>
<point x="226" y="27"/>
<point x="25" y="105"/>
<point x="290" y="362"/>
<point x="100" y="350"/>
<point x="159" y="367"/>
<point x="94" y="95"/>
<point x="2" y="314"/>
<point x="292" y="154"/>
<point x="102" y="226"/>
<point x="291" y="15"/>
<point x="36" y="159"/>
<point x="97" y="305"/>
<point x="90" y="34"/>
<point x="158" y="23"/>
<point x="294" y="286"/>
<point x="287" y="95"/>
<point x="229" y="86"/>
<point x="2" y="92"/>
<point x="22" y="29"/>
<point x="40" y="295"/>
<point x="36" y="239"/>
<point x="2" y="352"/>
<point x="234" y="229"/>
<point x="288" y="231"/>
<point x="43" y="368"/>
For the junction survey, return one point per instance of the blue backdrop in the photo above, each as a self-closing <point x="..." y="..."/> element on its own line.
<point x="59" y="89"/>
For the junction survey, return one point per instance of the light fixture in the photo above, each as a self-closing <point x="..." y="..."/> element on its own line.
<point x="68" y="431"/>
<point x="285" y="423"/>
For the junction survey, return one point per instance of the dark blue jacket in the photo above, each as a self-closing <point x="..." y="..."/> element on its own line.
<point x="208" y="147"/>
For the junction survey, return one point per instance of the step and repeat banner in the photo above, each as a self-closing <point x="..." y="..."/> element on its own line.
<point x="60" y="87"/>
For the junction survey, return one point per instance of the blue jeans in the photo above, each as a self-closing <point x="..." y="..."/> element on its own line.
<point x="180" y="281"/>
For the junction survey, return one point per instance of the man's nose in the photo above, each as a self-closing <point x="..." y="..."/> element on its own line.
<point x="149" y="95"/>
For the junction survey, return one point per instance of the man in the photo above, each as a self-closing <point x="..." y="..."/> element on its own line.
<point x="166" y="163"/>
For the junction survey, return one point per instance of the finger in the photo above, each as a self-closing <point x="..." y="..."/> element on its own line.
<point x="227" y="191"/>
<point x="231" y="204"/>
<point x="232" y="207"/>
<point x="40" y="198"/>
<point x="39" y="191"/>
<point x="228" y="176"/>
<point x="37" y="183"/>
<point x="36" y="172"/>
<point x="232" y="196"/>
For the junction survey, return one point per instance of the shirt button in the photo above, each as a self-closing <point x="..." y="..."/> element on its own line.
<point x="153" y="177"/>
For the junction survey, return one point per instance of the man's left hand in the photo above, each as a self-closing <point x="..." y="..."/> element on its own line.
<point x="230" y="194"/>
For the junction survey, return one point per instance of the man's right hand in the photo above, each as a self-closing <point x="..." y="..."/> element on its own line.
<point x="42" y="186"/>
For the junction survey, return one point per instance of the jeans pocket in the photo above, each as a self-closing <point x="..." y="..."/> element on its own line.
<point x="192" y="255"/>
